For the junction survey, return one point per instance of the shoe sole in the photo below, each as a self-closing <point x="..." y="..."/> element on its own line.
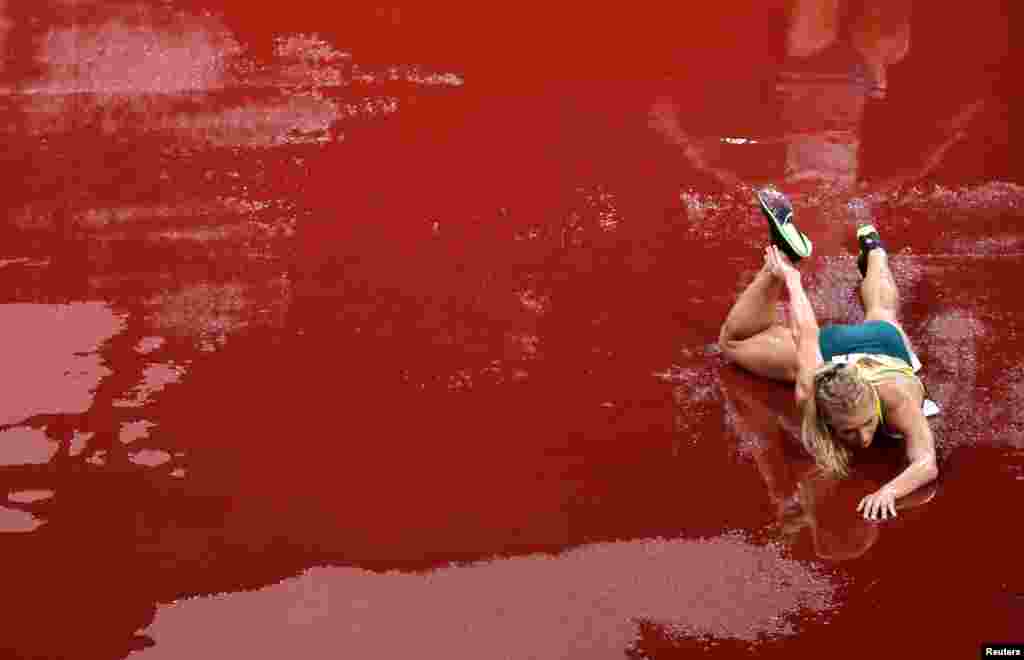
<point x="864" y="230"/>
<point x="784" y="233"/>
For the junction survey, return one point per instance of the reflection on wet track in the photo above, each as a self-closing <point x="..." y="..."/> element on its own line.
<point x="383" y="333"/>
<point x="591" y="601"/>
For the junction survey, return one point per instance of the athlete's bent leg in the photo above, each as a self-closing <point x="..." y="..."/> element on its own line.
<point x="751" y="336"/>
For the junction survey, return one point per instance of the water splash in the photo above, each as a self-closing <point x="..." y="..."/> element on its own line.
<point x="129" y="53"/>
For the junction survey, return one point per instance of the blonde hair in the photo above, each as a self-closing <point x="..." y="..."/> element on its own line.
<point x="838" y="388"/>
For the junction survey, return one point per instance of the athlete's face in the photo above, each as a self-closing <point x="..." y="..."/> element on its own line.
<point x="856" y="429"/>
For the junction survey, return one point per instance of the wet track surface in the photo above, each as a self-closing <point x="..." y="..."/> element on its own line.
<point x="388" y="333"/>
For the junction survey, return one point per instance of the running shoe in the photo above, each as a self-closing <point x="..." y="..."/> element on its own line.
<point x="868" y="239"/>
<point x="784" y="234"/>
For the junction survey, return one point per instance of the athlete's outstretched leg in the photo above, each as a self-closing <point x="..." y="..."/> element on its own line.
<point x="878" y="291"/>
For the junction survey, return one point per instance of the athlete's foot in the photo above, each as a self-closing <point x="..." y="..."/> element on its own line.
<point x="868" y="240"/>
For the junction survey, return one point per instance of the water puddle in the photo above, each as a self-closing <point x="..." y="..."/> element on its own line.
<point x="590" y="599"/>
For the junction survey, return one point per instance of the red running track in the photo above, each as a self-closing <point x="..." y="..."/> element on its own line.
<point x="384" y="333"/>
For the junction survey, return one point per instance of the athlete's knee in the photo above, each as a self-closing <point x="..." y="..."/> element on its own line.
<point x="727" y="343"/>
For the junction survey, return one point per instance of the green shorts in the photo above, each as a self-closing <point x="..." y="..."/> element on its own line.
<point x="876" y="337"/>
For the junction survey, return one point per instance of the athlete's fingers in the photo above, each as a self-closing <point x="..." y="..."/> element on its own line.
<point x="892" y="507"/>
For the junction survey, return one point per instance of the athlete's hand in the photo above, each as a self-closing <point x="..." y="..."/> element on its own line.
<point x="879" y="504"/>
<point x="778" y="264"/>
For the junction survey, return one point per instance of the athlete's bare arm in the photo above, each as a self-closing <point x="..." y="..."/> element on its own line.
<point x="907" y="418"/>
<point x="803" y="324"/>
